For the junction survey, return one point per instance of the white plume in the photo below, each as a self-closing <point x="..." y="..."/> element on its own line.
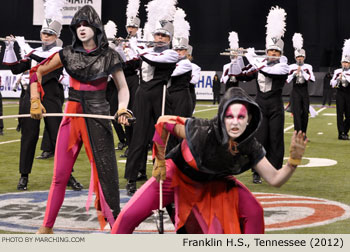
<point x="140" y="33"/>
<point x="53" y="9"/>
<point x="158" y="10"/>
<point x="132" y="10"/>
<point x="276" y="22"/>
<point x="346" y="47"/>
<point x="181" y="26"/>
<point x="233" y="40"/>
<point x="297" y="41"/>
<point x="110" y="29"/>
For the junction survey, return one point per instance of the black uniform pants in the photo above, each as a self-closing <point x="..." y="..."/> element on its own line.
<point x="47" y="144"/>
<point x="193" y="96"/>
<point x="300" y="107"/>
<point x="216" y="96"/>
<point x="30" y="127"/>
<point x="147" y="109"/>
<point x="181" y="104"/>
<point x="133" y="83"/>
<point x="271" y="131"/>
<point x="343" y="111"/>
<point x="327" y="96"/>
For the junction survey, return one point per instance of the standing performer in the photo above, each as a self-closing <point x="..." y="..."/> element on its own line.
<point x="270" y="74"/>
<point x="133" y="64"/>
<point x="198" y="175"/>
<point x="300" y="73"/>
<point x="89" y="61"/>
<point x="182" y="75"/>
<point x="196" y="72"/>
<point x="158" y="63"/>
<point x="216" y="89"/>
<point x="227" y="76"/>
<point x="341" y="80"/>
<point x="30" y="128"/>
<point x="327" y="89"/>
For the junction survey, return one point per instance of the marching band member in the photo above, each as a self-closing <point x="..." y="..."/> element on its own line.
<point x="340" y="81"/>
<point x="196" y="72"/>
<point x="271" y="74"/>
<point x="227" y="76"/>
<point x="52" y="100"/>
<point x="158" y="63"/>
<point x="89" y="61"/>
<point x="300" y="73"/>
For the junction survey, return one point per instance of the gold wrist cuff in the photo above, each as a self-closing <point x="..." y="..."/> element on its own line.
<point x="294" y="162"/>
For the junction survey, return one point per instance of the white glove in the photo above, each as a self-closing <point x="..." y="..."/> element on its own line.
<point x="250" y="55"/>
<point x="9" y="42"/>
<point x="23" y="45"/>
<point x="133" y="44"/>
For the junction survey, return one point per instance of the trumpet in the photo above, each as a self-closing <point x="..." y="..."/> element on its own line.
<point x="27" y="41"/>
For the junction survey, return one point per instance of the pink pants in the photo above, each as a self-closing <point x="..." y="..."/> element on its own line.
<point x="146" y="199"/>
<point x="63" y="165"/>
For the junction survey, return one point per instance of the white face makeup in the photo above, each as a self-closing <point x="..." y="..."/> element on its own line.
<point x="236" y="120"/>
<point x="84" y="32"/>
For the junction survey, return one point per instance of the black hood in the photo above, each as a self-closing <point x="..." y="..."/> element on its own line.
<point x="237" y="95"/>
<point x="87" y="13"/>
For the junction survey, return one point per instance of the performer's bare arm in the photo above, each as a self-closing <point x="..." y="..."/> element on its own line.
<point x="123" y="93"/>
<point x="278" y="177"/>
<point x="42" y="70"/>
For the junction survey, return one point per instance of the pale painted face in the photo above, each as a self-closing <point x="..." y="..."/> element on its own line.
<point x="236" y="120"/>
<point x="84" y="32"/>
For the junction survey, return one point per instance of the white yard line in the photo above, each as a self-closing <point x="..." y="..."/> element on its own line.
<point x="198" y="111"/>
<point x="320" y="110"/>
<point x="14" y="141"/>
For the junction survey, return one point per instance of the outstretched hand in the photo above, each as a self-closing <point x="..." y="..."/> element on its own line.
<point x="297" y="147"/>
<point x="36" y="109"/>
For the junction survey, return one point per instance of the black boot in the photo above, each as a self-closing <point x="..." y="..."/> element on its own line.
<point x="125" y="155"/>
<point x="22" y="184"/>
<point x="343" y="136"/>
<point x="141" y="176"/>
<point x="130" y="188"/>
<point x="46" y="155"/>
<point x="74" y="184"/>
<point x="256" y="178"/>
